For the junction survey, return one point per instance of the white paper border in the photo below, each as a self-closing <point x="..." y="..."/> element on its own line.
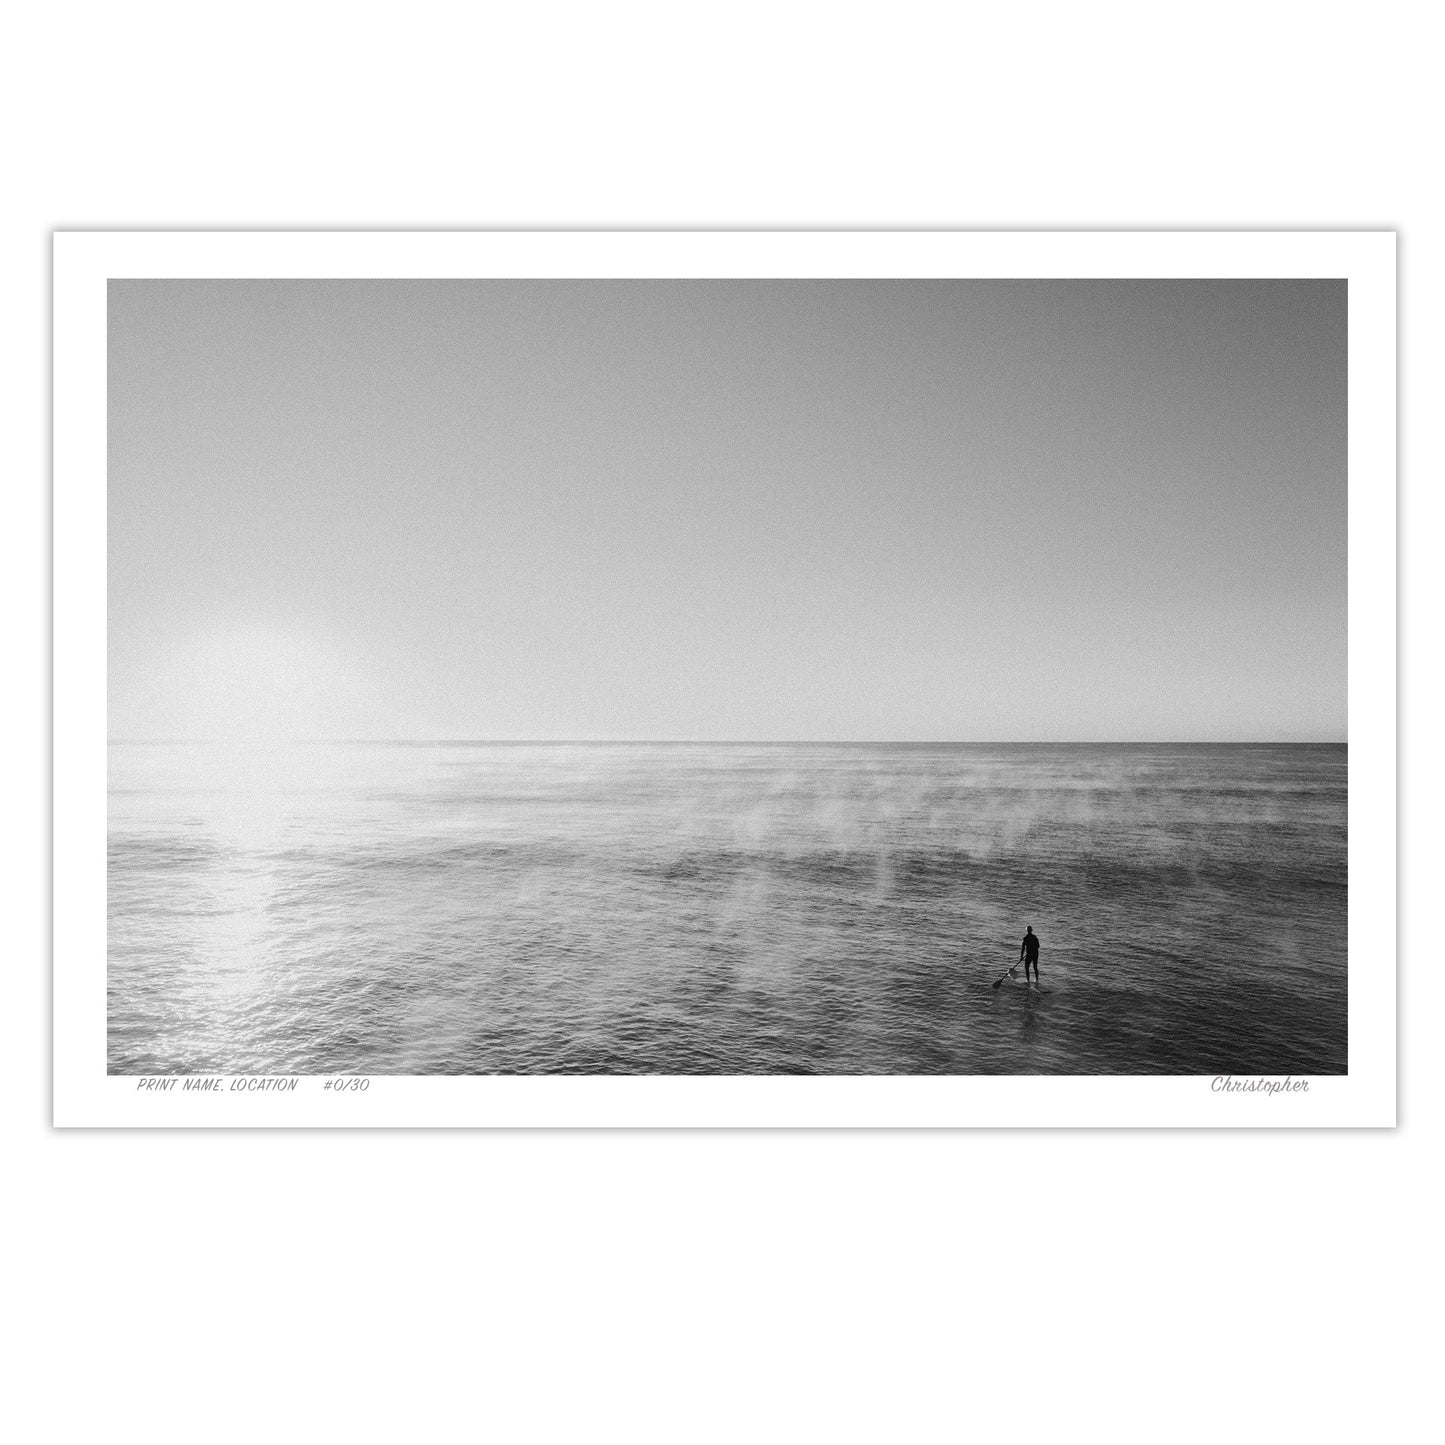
<point x="84" y="1095"/>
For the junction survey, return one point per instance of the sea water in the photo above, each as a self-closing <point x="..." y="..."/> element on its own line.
<point x="679" y="908"/>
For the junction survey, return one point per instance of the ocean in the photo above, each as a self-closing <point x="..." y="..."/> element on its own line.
<point x="726" y="909"/>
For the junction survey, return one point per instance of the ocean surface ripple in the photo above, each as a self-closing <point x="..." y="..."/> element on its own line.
<point x="727" y="909"/>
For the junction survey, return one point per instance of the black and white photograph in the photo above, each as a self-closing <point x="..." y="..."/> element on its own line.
<point x="723" y="676"/>
<point x="722" y="725"/>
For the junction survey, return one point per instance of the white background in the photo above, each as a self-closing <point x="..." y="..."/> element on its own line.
<point x="413" y="1286"/>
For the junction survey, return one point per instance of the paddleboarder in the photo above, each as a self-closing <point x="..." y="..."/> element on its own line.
<point x="1029" y="953"/>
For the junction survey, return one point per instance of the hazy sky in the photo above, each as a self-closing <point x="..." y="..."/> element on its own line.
<point x="728" y="509"/>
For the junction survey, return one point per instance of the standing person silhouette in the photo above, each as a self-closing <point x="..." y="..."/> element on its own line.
<point x="1029" y="953"/>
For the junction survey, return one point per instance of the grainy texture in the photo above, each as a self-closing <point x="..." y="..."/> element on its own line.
<point x="726" y="909"/>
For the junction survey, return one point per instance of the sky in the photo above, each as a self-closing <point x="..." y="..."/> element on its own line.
<point x="795" y="510"/>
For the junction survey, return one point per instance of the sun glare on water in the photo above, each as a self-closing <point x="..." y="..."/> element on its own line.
<point x="259" y="697"/>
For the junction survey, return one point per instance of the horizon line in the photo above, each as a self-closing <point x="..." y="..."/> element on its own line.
<point x="738" y="742"/>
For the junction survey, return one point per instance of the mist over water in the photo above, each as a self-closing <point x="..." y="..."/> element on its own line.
<point x="678" y="908"/>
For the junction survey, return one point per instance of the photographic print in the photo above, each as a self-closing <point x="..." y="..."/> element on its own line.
<point x="728" y="677"/>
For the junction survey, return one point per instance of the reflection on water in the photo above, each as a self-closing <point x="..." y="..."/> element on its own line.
<point x="669" y="909"/>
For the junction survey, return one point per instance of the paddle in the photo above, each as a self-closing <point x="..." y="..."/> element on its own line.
<point x="1007" y="973"/>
